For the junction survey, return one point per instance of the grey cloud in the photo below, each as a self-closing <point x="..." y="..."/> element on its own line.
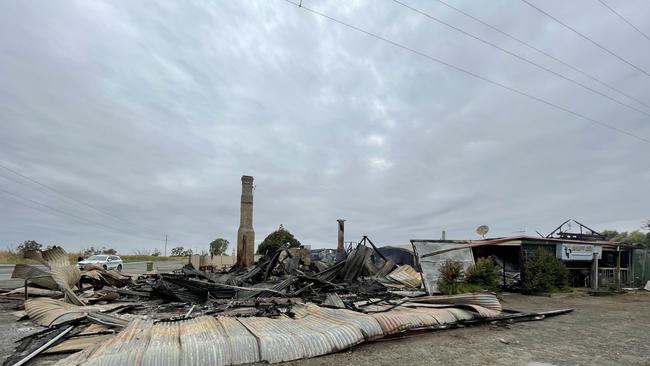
<point x="152" y="112"/>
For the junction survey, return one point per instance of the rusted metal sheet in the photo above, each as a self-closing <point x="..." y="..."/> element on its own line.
<point x="485" y="299"/>
<point x="78" y="343"/>
<point x="368" y="326"/>
<point x="64" y="274"/>
<point x="125" y="348"/>
<point x="243" y="345"/>
<point x="341" y="334"/>
<point x="483" y="312"/>
<point x="311" y="332"/>
<point x="400" y="320"/>
<point x="412" y="316"/>
<point x="48" y="312"/>
<point x="406" y="276"/>
<point x="164" y="347"/>
<point x="278" y="342"/>
<point x="37" y="275"/>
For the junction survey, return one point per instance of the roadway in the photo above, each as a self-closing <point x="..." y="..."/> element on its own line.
<point x="129" y="267"/>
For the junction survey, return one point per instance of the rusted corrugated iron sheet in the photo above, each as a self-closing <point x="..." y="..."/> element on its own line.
<point x="412" y="316"/>
<point x="406" y="275"/>
<point x="341" y="334"/>
<point x="125" y="348"/>
<point x="78" y="343"/>
<point x="483" y="312"/>
<point x="48" y="312"/>
<point x="485" y="299"/>
<point x="205" y="340"/>
<point x="38" y="276"/>
<point x="243" y="345"/>
<point x="283" y="339"/>
<point x="63" y="273"/>
<point x="368" y="326"/>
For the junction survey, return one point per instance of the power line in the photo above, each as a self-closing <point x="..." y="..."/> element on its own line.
<point x="473" y="74"/>
<point x="585" y="37"/>
<point x="83" y="219"/>
<point x="623" y="19"/>
<point x="78" y="201"/>
<point x="60" y="193"/>
<point x="520" y="41"/>
<point x="520" y="57"/>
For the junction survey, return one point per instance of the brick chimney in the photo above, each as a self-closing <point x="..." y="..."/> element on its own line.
<point x="246" y="234"/>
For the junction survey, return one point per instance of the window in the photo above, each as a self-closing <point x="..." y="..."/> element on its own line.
<point x="97" y="258"/>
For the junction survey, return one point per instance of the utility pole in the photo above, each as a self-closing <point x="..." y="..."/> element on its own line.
<point x="165" y="245"/>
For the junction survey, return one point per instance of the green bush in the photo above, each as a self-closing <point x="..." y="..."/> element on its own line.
<point x="544" y="273"/>
<point x="451" y="277"/>
<point x="483" y="274"/>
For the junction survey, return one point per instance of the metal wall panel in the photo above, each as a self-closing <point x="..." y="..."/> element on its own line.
<point x="430" y="266"/>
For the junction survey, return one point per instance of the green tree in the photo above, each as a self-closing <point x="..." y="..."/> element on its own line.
<point x="632" y="237"/>
<point x="219" y="246"/>
<point x="609" y="234"/>
<point x="88" y="252"/>
<point x="277" y="239"/>
<point x="177" y="252"/>
<point x="635" y="237"/>
<point x="483" y="273"/>
<point x="451" y="277"/>
<point x="544" y="273"/>
<point x="29" y="245"/>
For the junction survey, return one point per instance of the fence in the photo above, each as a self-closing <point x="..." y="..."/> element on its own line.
<point x="640" y="267"/>
<point x="607" y="276"/>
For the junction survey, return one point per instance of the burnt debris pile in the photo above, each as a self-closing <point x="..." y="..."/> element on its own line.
<point x="290" y="304"/>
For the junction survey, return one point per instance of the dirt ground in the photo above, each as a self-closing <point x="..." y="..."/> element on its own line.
<point x="611" y="330"/>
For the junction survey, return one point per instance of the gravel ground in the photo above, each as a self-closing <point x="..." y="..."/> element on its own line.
<point x="610" y="330"/>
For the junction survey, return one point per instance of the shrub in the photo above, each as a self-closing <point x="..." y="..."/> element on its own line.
<point x="544" y="273"/>
<point x="28" y="245"/>
<point x="451" y="276"/>
<point x="484" y="274"/>
<point x="277" y="239"/>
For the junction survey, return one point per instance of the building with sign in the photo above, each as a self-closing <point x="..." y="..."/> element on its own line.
<point x="578" y="251"/>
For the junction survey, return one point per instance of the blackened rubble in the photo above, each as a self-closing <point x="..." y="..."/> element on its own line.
<point x="284" y="287"/>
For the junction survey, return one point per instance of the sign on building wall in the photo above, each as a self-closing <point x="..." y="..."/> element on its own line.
<point x="578" y="252"/>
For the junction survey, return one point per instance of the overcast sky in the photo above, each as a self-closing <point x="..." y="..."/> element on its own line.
<point x="150" y="112"/>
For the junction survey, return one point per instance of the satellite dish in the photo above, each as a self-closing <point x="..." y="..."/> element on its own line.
<point x="482" y="230"/>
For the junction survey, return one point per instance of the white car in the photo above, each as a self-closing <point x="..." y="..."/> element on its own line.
<point x="104" y="260"/>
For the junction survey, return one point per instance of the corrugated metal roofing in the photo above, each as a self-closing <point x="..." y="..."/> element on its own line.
<point x="243" y="345"/>
<point x="78" y="343"/>
<point x="48" y="312"/>
<point x="205" y="340"/>
<point x="406" y="275"/>
<point x="369" y="327"/>
<point x="39" y="276"/>
<point x="485" y="299"/>
<point x="484" y="312"/>
<point x="63" y="273"/>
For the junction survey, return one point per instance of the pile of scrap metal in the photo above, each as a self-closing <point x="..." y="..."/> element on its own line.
<point x="56" y="277"/>
<point x="290" y="275"/>
<point x="285" y="307"/>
